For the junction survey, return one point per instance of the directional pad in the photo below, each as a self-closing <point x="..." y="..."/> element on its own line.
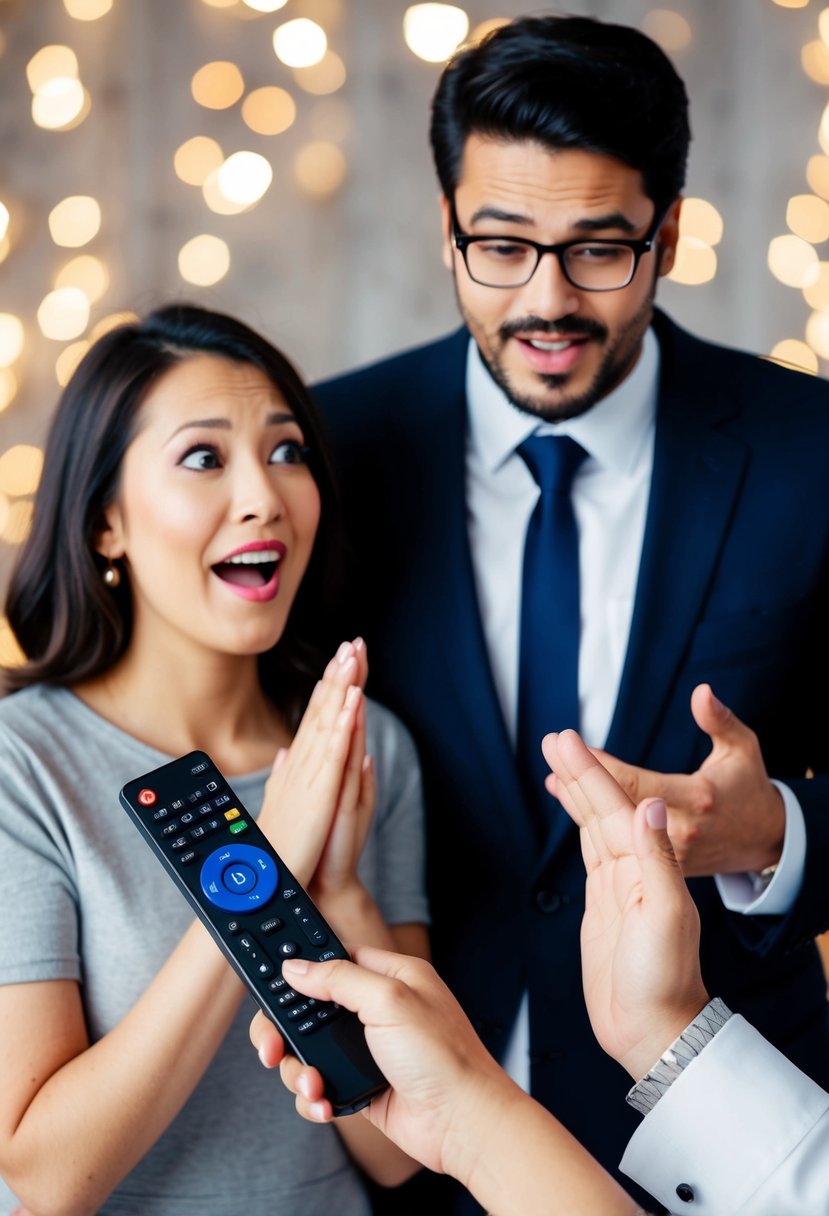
<point x="239" y="878"/>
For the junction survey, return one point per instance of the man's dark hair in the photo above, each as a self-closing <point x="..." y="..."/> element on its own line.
<point x="69" y="624"/>
<point x="567" y="82"/>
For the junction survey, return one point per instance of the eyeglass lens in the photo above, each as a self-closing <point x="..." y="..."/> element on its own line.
<point x="511" y="264"/>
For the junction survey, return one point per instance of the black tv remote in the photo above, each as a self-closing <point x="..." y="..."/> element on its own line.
<point x="257" y="913"/>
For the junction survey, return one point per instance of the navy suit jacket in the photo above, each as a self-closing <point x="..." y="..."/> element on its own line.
<point x="733" y="589"/>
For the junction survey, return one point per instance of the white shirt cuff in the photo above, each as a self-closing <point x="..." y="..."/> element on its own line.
<point x="737" y="890"/>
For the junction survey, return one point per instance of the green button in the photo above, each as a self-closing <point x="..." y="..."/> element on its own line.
<point x="236" y="828"/>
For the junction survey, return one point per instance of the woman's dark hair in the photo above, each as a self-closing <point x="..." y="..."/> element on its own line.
<point x="69" y="624"/>
<point x="567" y="82"/>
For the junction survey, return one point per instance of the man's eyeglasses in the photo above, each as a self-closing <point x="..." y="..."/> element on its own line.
<point x="597" y="264"/>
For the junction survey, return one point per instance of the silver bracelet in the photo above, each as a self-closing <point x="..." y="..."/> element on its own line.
<point x="646" y="1093"/>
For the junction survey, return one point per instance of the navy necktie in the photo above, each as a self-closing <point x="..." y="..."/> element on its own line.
<point x="548" y="694"/>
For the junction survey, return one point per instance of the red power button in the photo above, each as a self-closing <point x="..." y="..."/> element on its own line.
<point x="147" y="797"/>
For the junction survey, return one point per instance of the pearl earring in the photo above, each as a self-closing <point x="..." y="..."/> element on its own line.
<point x="111" y="576"/>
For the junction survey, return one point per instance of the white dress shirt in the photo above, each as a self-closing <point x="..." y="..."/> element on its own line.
<point x="610" y="500"/>
<point x="743" y="1127"/>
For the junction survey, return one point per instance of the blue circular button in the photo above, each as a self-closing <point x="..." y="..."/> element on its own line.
<point x="239" y="878"/>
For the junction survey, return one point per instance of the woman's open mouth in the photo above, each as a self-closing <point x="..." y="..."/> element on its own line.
<point x="253" y="573"/>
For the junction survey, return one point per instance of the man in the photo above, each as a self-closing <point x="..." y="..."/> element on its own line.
<point x="687" y="544"/>
<point x="731" y="1126"/>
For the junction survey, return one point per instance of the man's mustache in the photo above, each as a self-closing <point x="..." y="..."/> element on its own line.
<point x="565" y="325"/>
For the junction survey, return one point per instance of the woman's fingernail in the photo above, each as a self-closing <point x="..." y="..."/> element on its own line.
<point x="657" y="815"/>
<point x="344" y="651"/>
<point x="299" y="966"/>
<point x="317" y="1111"/>
<point x="304" y="1086"/>
<point x="352" y="696"/>
<point x="359" y="643"/>
<point x="262" y="1060"/>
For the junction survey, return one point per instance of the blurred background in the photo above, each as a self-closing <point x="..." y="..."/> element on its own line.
<point x="270" y="158"/>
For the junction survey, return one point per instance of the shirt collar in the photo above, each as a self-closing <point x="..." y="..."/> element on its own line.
<point x="614" y="431"/>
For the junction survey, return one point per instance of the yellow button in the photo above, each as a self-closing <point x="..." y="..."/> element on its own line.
<point x="232" y="813"/>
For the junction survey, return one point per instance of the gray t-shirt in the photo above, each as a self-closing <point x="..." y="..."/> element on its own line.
<point x="83" y="898"/>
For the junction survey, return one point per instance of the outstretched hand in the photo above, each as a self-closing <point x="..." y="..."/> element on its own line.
<point x="319" y="798"/>
<point x="727" y="816"/>
<point x="640" y="933"/>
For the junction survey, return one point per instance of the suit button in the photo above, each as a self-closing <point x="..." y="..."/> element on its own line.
<point x="547" y="901"/>
<point x="685" y="1192"/>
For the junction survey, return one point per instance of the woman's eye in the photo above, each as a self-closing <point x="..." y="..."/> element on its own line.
<point x="289" y="451"/>
<point x="200" y="458"/>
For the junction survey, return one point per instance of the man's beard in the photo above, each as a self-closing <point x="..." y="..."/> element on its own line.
<point x="616" y="362"/>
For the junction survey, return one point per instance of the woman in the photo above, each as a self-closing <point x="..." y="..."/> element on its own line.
<point x="182" y="544"/>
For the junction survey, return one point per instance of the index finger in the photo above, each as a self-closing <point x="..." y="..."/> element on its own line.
<point x="603" y="807"/>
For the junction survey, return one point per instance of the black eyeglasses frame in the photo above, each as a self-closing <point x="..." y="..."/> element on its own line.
<point x="638" y="248"/>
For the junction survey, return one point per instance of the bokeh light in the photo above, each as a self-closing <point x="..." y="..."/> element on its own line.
<point x="111" y="321"/>
<point x="218" y="85"/>
<point x="87" y="10"/>
<point x="794" y="353"/>
<point x="87" y="273"/>
<point x="817" y="175"/>
<point x="324" y="77"/>
<point x="695" y="262"/>
<point x="434" y="31"/>
<point x="265" y="6"/>
<point x="793" y="261"/>
<point x="669" y="29"/>
<point x="269" y="110"/>
<point x="68" y="360"/>
<point x="204" y="260"/>
<point x="10" y="653"/>
<point x="320" y="168"/>
<point x="216" y="200"/>
<point x="63" y="314"/>
<point x="299" y="43"/>
<point x="814" y="59"/>
<point x="8" y="387"/>
<point x="20" y="469"/>
<point x="701" y="219"/>
<point x="49" y="62"/>
<point x="244" y="177"/>
<point x="808" y="217"/>
<point x="75" y="221"/>
<point x="60" y="103"/>
<point x="18" y="522"/>
<point x="12" y="337"/>
<point x="4" y="221"/>
<point x="817" y="333"/>
<point x="196" y="159"/>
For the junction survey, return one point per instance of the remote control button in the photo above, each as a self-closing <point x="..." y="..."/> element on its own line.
<point x="307" y="1026"/>
<point x="271" y="925"/>
<point x="222" y="800"/>
<point x="177" y="804"/>
<point x="239" y="877"/>
<point x="327" y="1013"/>
<point x="288" y="997"/>
<point x="326" y="955"/>
<point x="278" y="984"/>
<point x="289" y="893"/>
<point x="171" y="828"/>
<point x="253" y="954"/>
<point x="181" y="843"/>
<point x="161" y="813"/>
<point x="204" y="809"/>
<point x="234" y="926"/>
<point x="239" y="894"/>
<point x="309" y="926"/>
<point x="212" y="786"/>
<point x="188" y="817"/>
<point x="238" y="827"/>
<point x="196" y="796"/>
<point x="232" y="814"/>
<point x="288" y="949"/>
<point x="187" y="858"/>
<point x="147" y="797"/>
<point x="299" y="1011"/>
<point x="196" y="833"/>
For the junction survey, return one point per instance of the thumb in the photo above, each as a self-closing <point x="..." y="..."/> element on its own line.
<point x="716" y="719"/>
<point x="660" y="868"/>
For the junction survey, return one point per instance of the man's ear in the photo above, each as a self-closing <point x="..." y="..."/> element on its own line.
<point x="446" y="233"/>
<point x="668" y="237"/>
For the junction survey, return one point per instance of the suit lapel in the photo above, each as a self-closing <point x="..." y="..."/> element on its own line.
<point x="697" y="473"/>
<point x="467" y="689"/>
